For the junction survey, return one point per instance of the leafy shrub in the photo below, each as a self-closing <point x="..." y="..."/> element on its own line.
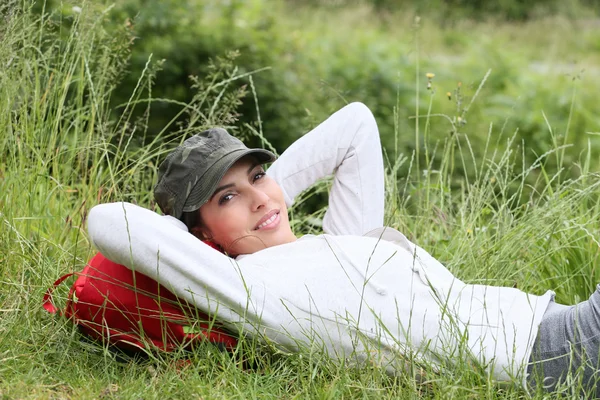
<point x="448" y="10"/>
<point x="304" y="67"/>
<point x="189" y="34"/>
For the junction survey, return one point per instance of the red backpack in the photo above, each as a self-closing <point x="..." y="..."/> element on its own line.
<point x="124" y="308"/>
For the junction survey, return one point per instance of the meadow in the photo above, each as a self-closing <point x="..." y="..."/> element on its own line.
<point x="497" y="177"/>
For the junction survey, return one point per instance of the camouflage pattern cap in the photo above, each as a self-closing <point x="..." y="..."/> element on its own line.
<point x="190" y="174"/>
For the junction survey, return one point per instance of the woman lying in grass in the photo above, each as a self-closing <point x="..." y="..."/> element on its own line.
<point x="361" y="291"/>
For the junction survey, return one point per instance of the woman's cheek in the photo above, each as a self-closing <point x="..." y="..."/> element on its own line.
<point x="231" y="230"/>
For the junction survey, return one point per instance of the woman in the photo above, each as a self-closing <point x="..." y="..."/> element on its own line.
<point x="360" y="291"/>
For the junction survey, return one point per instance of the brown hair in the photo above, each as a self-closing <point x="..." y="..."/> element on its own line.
<point x="194" y="223"/>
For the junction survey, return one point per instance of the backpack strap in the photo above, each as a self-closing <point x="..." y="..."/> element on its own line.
<point x="48" y="302"/>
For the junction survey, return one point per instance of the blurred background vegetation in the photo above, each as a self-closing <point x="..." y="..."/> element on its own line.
<point x="307" y="58"/>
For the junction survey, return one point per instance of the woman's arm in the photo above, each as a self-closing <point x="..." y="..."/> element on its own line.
<point x="346" y="144"/>
<point x="161" y="248"/>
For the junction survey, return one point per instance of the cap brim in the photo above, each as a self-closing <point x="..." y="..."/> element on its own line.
<point x="208" y="183"/>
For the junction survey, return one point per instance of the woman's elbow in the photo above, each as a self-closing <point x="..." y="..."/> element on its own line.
<point x="360" y="110"/>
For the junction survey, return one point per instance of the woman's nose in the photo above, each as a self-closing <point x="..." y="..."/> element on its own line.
<point x="259" y="199"/>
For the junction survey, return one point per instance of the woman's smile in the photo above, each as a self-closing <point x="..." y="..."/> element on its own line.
<point x="270" y="221"/>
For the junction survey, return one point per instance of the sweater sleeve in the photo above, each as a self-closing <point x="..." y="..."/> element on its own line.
<point x="347" y="145"/>
<point x="146" y="242"/>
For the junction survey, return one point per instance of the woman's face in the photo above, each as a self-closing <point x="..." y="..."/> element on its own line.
<point x="247" y="211"/>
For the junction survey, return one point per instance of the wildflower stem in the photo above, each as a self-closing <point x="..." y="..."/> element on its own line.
<point x="417" y="86"/>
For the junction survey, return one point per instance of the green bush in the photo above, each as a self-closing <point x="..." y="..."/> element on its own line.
<point x="189" y="34"/>
<point x="447" y="10"/>
<point x="308" y="61"/>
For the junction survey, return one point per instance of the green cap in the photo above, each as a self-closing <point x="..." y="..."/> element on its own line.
<point x="190" y="174"/>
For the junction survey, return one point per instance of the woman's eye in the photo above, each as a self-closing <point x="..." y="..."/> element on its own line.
<point x="259" y="175"/>
<point x="225" y="198"/>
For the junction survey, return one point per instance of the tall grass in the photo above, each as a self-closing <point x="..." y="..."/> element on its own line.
<point x="62" y="151"/>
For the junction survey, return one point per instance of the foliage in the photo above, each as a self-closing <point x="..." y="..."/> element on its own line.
<point x="296" y="65"/>
<point x="443" y="10"/>
<point x="188" y="35"/>
<point x="315" y="66"/>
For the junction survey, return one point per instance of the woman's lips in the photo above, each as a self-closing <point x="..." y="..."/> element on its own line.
<point x="269" y="221"/>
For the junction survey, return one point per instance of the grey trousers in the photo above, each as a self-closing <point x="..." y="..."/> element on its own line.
<point x="565" y="353"/>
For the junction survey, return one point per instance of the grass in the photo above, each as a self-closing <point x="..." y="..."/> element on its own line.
<point x="507" y="223"/>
